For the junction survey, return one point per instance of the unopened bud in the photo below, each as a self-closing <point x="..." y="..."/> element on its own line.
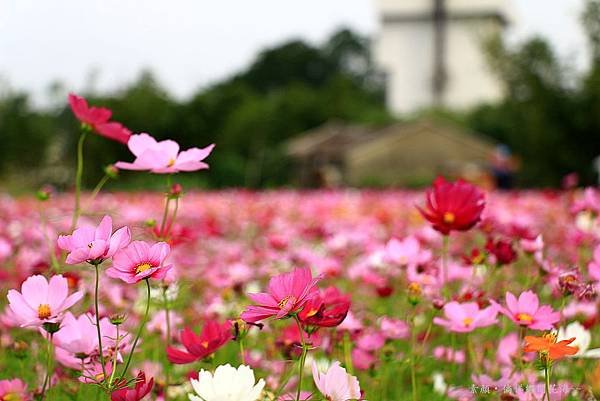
<point x="51" y="327"/>
<point x="117" y="319"/>
<point x="111" y="171"/>
<point x="414" y="293"/>
<point x="150" y="223"/>
<point x="175" y="191"/>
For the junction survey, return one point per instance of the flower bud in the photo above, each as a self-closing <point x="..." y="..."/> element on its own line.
<point x="117" y="319"/>
<point x="51" y="327"/>
<point x="111" y="171"/>
<point x="175" y="191"/>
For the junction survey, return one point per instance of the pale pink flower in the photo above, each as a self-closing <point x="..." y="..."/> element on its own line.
<point x="140" y="261"/>
<point x="41" y="301"/>
<point x="407" y="252"/>
<point x="466" y="317"/>
<point x="14" y="389"/>
<point x="394" y="329"/>
<point x="526" y="311"/>
<point x="336" y="384"/>
<point x="287" y="293"/>
<point x="94" y="244"/>
<point x="163" y="157"/>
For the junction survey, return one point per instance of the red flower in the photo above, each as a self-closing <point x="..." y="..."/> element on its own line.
<point x="327" y="309"/>
<point x="141" y="389"/>
<point x="453" y="205"/>
<point x="502" y="250"/>
<point x="213" y="337"/>
<point x="98" y="119"/>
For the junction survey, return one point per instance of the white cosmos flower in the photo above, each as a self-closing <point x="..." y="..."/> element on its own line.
<point x="227" y="384"/>
<point x="582" y="340"/>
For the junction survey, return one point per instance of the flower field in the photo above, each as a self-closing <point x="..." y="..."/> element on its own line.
<point x="452" y="293"/>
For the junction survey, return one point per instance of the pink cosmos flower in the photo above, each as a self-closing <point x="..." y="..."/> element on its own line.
<point x="336" y="384"/>
<point x="526" y="311"/>
<point x="141" y="390"/>
<point x="41" y="301"/>
<point x="78" y="336"/>
<point x="140" y="261"/>
<point x="407" y="252"/>
<point x="93" y="245"/>
<point x="394" y="329"/>
<point x="14" y="390"/>
<point x="163" y="157"/>
<point x="466" y="317"/>
<point x="287" y="293"/>
<point x="88" y="115"/>
<point x="97" y="118"/>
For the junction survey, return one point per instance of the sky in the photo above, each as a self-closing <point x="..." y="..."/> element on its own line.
<point x="190" y="44"/>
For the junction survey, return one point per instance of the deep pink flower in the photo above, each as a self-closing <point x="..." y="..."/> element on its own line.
<point x="466" y="317"/>
<point x="88" y="115"/>
<point x="140" y="261"/>
<point x="287" y="293"/>
<point x="326" y="309"/>
<point x="14" y="390"/>
<point x="41" y="301"/>
<point x="141" y="389"/>
<point x="213" y="337"/>
<point x="89" y="244"/>
<point x="526" y="311"/>
<point x="453" y="206"/>
<point x="336" y="384"/>
<point x="115" y="131"/>
<point x="163" y="157"/>
<point x="394" y="329"/>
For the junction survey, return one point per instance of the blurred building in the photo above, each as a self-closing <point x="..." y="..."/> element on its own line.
<point x="401" y="154"/>
<point x="431" y="52"/>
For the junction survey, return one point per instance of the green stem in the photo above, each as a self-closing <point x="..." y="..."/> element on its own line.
<point x="98" y="187"/>
<point x="96" y="303"/>
<point x="48" y="368"/>
<point x="472" y="355"/>
<point x="168" y="321"/>
<point x="242" y="352"/>
<point x="161" y="233"/>
<point x="348" y="353"/>
<point x="302" y="359"/>
<point x="547" y="377"/>
<point x="413" y="368"/>
<point x="173" y="216"/>
<point x="78" y="176"/>
<point x="139" y="333"/>
<point x="445" y="248"/>
<point x="114" y="366"/>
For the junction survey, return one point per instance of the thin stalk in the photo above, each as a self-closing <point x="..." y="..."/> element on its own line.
<point x="547" y="377"/>
<point x="302" y="359"/>
<point x="48" y="367"/>
<point x="445" y="248"/>
<point x="100" y="348"/>
<point x="242" y="352"/>
<point x="53" y="260"/>
<point x="140" y="330"/>
<point x="413" y="368"/>
<point x="348" y="353"/>
<point x="168" y="321"/>
<point x="114" y="366"/>
<point x="78" y="176"/>
<point x="173" y="216"/>
<point x="161" y="233"/>
<point x="472" y="354"/>
<point x="97" y="188"/>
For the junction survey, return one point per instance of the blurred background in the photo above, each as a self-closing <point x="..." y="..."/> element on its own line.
<point x="363" y="93"/>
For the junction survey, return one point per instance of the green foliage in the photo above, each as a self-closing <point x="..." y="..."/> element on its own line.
<point x="550" y="115"/>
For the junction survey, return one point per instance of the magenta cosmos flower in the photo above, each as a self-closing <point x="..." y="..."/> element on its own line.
<point x="41" y="301"/>
<point x="526" y="311"/>
<point x="94" y="244"/>
<point x="163" y="157"/>
<point x="14" y="390"/>
<point x="287" y="294"/>
<point x="139" y="391"/>
<point x="336" y="384"/>
<point x="466" y="317"/>
<point x="140" y="261"/>
<point x="97" y="119"/>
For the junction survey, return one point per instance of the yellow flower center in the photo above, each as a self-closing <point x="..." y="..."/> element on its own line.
<point x="99" y="377"/>
<point x="142" y="267"/>
<point x="449" y="217"/>
<point x="550" y="337"/>
<point x="44" y="311"/>
<point x="524" y="317"/>
<point x="312" y="312"/>
<point x="467" y="321"/>
<point x="171" y="163"/>
<point x="12" y="397"/>
<point x="204" y="344"/>
<point x="282" y="304"/>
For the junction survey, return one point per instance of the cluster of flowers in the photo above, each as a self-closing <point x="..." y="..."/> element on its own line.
<point x="375" y="298"/>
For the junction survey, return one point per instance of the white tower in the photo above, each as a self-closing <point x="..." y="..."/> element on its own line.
<point x="432" y="52"/>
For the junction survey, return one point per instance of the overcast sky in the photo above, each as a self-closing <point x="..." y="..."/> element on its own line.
<point x="191" y="43"/>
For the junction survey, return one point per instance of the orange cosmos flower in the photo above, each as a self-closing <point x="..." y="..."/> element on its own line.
<point x="547" y="345"/>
